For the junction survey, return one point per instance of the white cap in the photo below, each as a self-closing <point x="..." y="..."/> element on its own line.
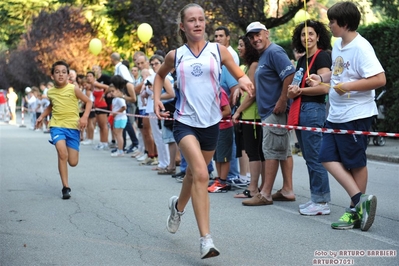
<point x="28" y="89"/>
<point x="255" y="27"/>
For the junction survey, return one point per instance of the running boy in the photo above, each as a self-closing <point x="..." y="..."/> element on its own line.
<point x="356" y="73"/>
<point x="65" y="122"/>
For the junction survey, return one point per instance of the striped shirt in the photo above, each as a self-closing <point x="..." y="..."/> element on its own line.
<point x="198" y="77"/>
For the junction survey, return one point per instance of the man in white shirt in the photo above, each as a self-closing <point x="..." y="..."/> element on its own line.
<point x="120" y="69"/>
<point x="222" y="36"/>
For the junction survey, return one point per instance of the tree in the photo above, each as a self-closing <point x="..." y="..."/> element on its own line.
<point x="17" y="15"/>
<point x="62" y="35"/>
<point x="391" y="7"/>
<point x="162" y="14"/>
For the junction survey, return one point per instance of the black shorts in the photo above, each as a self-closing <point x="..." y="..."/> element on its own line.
<point x="207" y="137"/>
<point x="99" y="112"/>
<point x="253" y="136"/>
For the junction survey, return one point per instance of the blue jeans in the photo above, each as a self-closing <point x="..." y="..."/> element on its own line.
<point x="313" y="115"/>
<point x="183" y="165"/>
<point x="233" y="171"/>
<point x="130" y="130"/>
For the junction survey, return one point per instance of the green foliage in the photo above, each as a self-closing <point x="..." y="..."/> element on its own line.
<point x="391" y="7"/>
<point x="287" y="45"/>
<point x="383" y="37"/>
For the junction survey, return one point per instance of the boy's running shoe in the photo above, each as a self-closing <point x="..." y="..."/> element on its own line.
<point x="366" y="209"/>
<point x="207" y="248"/>
<point x="218" y="187"/>
<point x="66" y="193"/>
<point x="349" y="220"/>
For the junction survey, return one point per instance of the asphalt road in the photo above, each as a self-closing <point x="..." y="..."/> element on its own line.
<point x="118" y="211"/>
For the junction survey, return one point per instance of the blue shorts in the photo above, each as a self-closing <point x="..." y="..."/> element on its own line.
<point x="71" y="136"/>
<point x="224" y="146"/>
<point x="348" y="149"/>
<point x="121" y="123"/>
<point x="167" y="134"/>
<point x="207" y="137"/>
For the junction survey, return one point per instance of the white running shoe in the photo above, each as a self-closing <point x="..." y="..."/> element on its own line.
<point x="305" y="205"/>
<point x="117" y="154"/>
<point x="142" y="158"/>
<point x="207" y="248"/>
<point x="174" y="219"/>
<point x="98" y="147"/>
<point x="315" y="209"/>
<point x="87" y="142"/>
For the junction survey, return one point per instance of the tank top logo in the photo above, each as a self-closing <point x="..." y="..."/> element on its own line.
<point x="197" y="71"/>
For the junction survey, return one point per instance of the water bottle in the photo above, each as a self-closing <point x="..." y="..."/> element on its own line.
<point x="298" y="77"/>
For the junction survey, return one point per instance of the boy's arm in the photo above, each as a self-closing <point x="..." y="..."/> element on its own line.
<point x="366" y="84"/>
<point x="45" y="113"/>
<point x="88" y="105"/>
<point x="226" y="111"/>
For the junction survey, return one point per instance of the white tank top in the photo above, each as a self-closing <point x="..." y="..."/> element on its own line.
<point x="198" y="102"/>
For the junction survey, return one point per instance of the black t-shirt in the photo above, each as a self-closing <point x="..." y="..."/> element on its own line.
<point x="323" y="60"/>
<point x="104" y="79"/>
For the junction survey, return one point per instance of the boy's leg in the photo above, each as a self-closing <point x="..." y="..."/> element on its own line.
<point x="62" y="152"/>
<point x="343" y="176"/>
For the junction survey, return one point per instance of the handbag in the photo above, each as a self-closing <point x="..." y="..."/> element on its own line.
<point x="295" y="109"/>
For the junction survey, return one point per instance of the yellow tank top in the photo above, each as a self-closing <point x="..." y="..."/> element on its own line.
<point x="251" y="113"/>
<point x="65" y="111"/>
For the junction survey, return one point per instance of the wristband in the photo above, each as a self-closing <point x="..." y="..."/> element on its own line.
<point x="321" y="78"/>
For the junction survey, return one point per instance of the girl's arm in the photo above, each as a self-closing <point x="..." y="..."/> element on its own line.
<point x="130" y="88"/>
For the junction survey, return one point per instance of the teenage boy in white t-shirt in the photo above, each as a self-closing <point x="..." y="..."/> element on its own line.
<point x="356" y="73"/>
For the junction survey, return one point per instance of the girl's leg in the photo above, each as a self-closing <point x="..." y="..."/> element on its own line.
<point x="102" y="124"/>
<point x="119" y="137"/>
<point x="147" y="137"/>
<point x="195" y="184"/>
<point x="90" y="128"/>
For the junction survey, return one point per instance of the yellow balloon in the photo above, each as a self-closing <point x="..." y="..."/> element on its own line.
<point x="95" y="46"/>
<point x="144" y="31"/>
<point x="301" y="16"/>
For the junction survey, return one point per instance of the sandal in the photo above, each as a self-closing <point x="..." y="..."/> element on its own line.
<point x="167" y="171"/>
<point x="158" y="168"/>
<point x="245" y="194"/>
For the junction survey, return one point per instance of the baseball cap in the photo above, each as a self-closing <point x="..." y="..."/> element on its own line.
<point x="28" y="89"/>
<point x="255" y="27"/>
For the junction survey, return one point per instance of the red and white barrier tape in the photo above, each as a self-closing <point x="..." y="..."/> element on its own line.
<point x="314" y="129"/>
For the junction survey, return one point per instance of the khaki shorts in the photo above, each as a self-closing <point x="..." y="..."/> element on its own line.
<point x="276" y="141"/>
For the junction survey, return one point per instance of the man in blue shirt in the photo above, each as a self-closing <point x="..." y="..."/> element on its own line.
<point x="273" y="75"/>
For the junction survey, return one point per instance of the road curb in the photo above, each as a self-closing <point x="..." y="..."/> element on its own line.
<point x="383" y="158"/>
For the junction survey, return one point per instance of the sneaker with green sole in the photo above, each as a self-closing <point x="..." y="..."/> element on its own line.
<point x="349" y="220"/>
<point x="366" y="209"/>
